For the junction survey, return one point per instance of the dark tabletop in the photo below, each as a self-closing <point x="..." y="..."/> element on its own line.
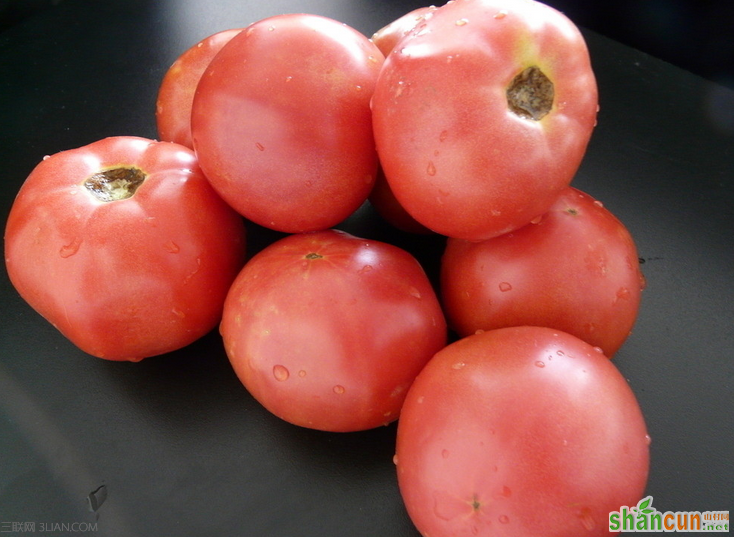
<point x="174" y="445"/>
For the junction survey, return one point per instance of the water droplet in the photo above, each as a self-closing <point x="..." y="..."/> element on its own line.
<point x="68" y="250"/>
<point x="445" y="453"/>
<point x="302" y="373"/>
<point x="364" y="269"/>
<point x="461" y="22"/>
<point x="599" y="350"/>
<point x="560" y="353"/>
<point x="504" y="519"/>
<point x="505" y="286"/>
<point x="414" y="292"/>
<point x="623" y="293"/>
<point x="500" y="14"/>
<point x="478" y="331"/>
<point x="259" y="146"/>
<point x="288" y="78"/>
<point x="431" y="168"/>
<point x="420" y="400"/>
<point x="271" y="28"/>
<point x="280" y="373"/>
<point x="371" y="59"/>
<point x="598" y="203"/>
<point x="395" y="459"/>
<point x="339" y="389"/>
<point x="539" y="363"/>
<point x="46" y="157"/>
<point x="506" y="491"/>
<point x="443" y="135"/>
<point x="537" y="219"/>
<point x="172" y="247"/>
<point x="648" y="439"/>
<point x="358" y="87"/>
<point x="178" y="313"/>
<point x="458" y="365"/>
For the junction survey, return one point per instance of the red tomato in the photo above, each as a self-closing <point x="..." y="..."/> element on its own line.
<point x="124" y="247"/>
<point x="516" y="432"/>
<point x="176" y="93"/>
<point x="382" y="197"/>
<point x="282" y="125"/>
<point x="574" y="269"/>
<point x="328" y="330"/>
<point x="388" y="36"/>
<point x="482" y="115"/>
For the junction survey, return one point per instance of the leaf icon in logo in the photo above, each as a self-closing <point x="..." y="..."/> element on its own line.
<point x="643" y="505"/>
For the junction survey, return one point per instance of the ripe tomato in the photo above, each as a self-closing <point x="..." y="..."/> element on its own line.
<point x="575" y="269"/>
<point x="176" y="93"/>
<point x="124" y="247"/>
<point x="520" y="431"/>
<point x="281" y="121"/>
<point x="482" y="115"/>
<point x="328" y="330"/>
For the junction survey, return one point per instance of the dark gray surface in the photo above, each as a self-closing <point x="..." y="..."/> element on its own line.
<point x="177" y="442"/>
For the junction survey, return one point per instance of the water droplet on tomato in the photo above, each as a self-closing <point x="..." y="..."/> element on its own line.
<point x="560" y="353"/>
<point x="280" y="373"/>
<point x="461" y="22"/>
<point x="500" y="15"/>
<point x="339" y="389"/>
<point x="623" y="293"/>
<point x="539" y="363"/>
<point x="458" y="365"/>
<point x="358" y="87"/>
<point x="68" y="250"/>
<point x="178" y="313"/>
<point x="599" y="350"/>
<point x="395" y="459"/>
<point x="172" y="247"/>
<point x="505" y="286"/>
<point x="504" y="519"/>
<point x="479" y="331"/>
<point x="371" y="59"/>
<point x="598" y="203"/>
<point x="288" y="78"/>
<point x="443" y="135"/>
<point x="271" y="28"/>
<point x="414" y="292"/>
<point x="537" y="219"/>
<point x="445" y="453"/>
<point x="506" y="491"/>
<point x="259" y="146"/>
<point x="648" y="439"/>
<point x="364" y="269"/>
<point x="302" y="373"/>
<point x="46" y="157"/>
<point x="420" y="400"/>
<point x="431" y="168"/>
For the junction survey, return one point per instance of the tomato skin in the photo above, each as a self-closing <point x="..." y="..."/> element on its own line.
<point x="456" y="156"/>
<point x="388" y="36"/>
<point x="328" y="330"/>
<point x="131" y="278"/>
<point x="281" y="122"/>
<point x="520" y="431"/>
<point x="176" y="92"/>
<point x="575" y="269"/>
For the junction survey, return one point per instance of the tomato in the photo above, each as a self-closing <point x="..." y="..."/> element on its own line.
<point x="124" y="247"/>
<point x="388" y="36"/>
<point x="382" y="197"/>
<point x="482" y="115"/>
<point x="281" y="122"/>
<point x="328" y="330"/>
<point x="176" y="93"/>
<point x="388" y="207"/>
<point x="520" y="431"/>
<point x="575" y="269"/>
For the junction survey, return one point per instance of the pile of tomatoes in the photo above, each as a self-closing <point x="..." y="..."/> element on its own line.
<point x="466" y="121"/>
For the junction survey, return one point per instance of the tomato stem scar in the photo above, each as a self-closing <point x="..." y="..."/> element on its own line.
<point x="530" y="94"/>
<point x="114" y="184"/>
<point x="314" y="255"/>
